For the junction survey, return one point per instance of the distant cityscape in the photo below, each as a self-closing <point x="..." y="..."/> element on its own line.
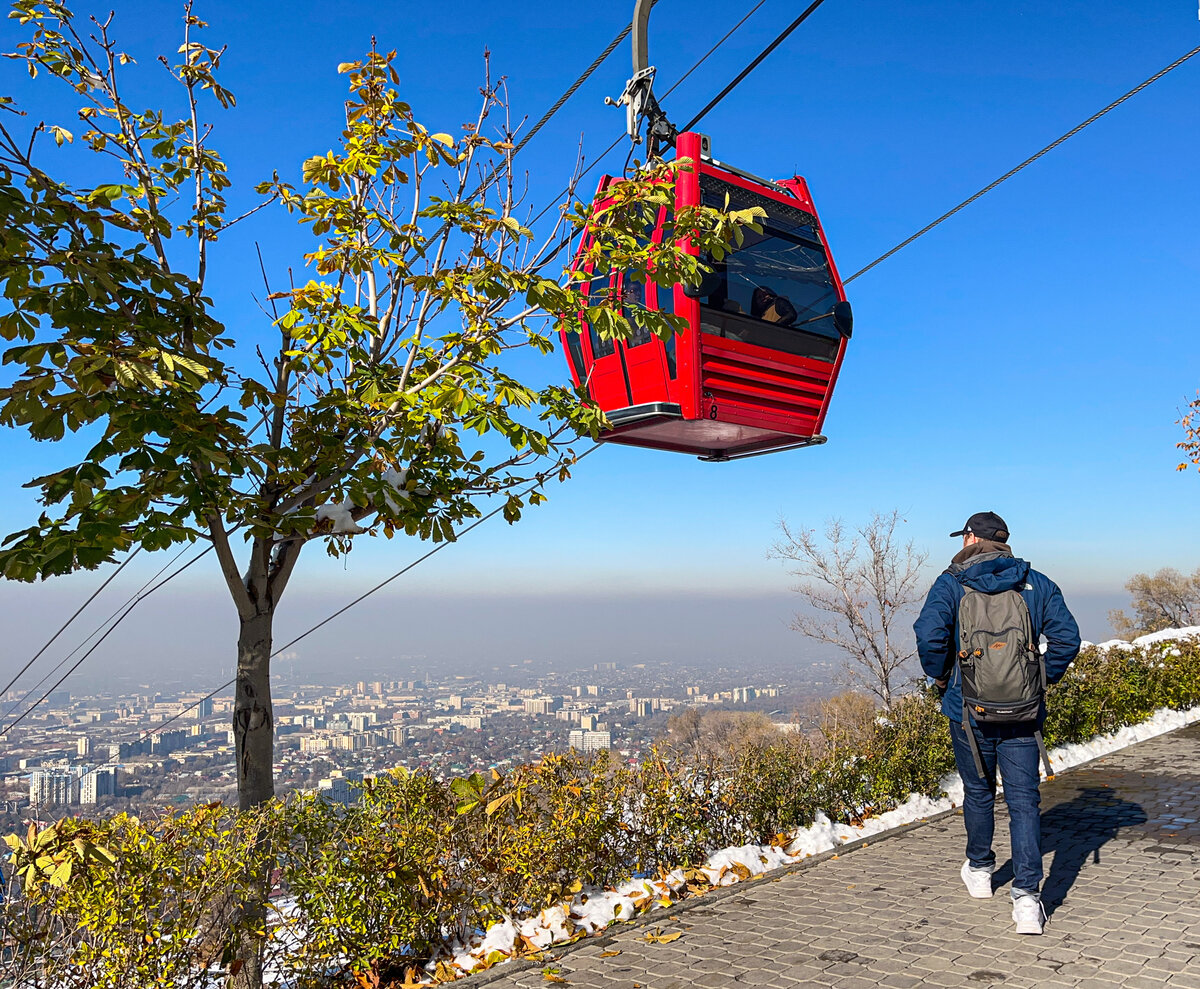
<point x="142" y="750"/>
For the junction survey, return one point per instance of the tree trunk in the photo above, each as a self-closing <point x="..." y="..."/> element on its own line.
<point x="254" y="739"/>
<point x="253" y="721"/>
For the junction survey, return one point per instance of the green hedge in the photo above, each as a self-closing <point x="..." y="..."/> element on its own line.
<point x="372" y="889"/>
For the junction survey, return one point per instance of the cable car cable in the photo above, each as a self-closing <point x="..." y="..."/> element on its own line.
<point x="558" y="105"/>
<point x="65" y="624"/>
<point x="678" y="82"/>
<point x="1028" y="161"/>
<point x="574" y="86"/>
<point x="119" y="615"/>
<point x="753" y="65"/>
<point x="96" y="645"/>
<point x="88" y="638"/>
<point x="341" y="611"/>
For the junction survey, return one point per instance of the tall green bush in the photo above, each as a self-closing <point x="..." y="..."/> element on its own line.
<point x="367" y="885"/>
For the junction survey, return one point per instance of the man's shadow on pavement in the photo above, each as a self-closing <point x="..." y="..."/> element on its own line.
<point x="1075" y="831"/>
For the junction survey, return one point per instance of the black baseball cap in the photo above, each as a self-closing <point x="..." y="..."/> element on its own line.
<point x="985" y="525"/>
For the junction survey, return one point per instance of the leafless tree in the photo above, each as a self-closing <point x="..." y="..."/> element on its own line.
<point x="860" y="586"/>
<point x="1166" y="599"/>
<point x="717" y="737"/>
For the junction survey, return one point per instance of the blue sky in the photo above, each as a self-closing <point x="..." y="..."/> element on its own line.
<point x="1029" y="356"/>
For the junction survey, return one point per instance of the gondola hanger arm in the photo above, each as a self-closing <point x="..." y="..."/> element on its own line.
<point x="638" y="98"/>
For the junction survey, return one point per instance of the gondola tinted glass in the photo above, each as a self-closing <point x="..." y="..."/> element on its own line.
<point x="598" y="289"/>
<point x="772" y="282"/>
<point x="633" y="302"/>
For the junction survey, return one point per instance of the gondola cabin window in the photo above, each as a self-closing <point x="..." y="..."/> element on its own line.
<point x="598" y="293"/>
<point x="633" y="303"/>
<point x="664" y="296"/>
<point x="774" y="290"/>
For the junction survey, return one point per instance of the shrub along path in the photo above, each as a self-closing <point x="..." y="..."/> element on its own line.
<point x="1122" y="852"/>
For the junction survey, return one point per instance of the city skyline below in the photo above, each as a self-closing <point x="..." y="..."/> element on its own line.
<point x="148" y="746"/>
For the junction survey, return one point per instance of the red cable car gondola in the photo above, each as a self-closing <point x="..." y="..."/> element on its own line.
<point x="766" y="330"/>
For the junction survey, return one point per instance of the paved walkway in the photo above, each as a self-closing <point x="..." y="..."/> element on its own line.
<point x="1122" y="846"/>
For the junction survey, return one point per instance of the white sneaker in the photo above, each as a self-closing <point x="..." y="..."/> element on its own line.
<point x="979" y="881"/>
<point x="1028" y="914"/>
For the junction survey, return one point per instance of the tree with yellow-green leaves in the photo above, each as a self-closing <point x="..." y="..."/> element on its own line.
<point x="386" y="360"/>
<point x="1190" y="444"/>
<point x="383" y="407"/>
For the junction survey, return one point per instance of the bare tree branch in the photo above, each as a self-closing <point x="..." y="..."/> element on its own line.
<point x="858" y="588"/>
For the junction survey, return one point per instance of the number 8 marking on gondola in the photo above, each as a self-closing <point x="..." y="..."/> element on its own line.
<point x="712" y="412"/>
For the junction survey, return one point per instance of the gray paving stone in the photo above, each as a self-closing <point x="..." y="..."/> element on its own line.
<point x="1122" y="853"/>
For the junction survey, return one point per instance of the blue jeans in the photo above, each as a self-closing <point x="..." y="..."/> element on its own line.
<point x="1013" y="749"/>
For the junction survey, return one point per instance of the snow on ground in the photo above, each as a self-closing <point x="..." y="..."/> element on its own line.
<point x="1166" y="635"/>
<point x="594" y="909"/>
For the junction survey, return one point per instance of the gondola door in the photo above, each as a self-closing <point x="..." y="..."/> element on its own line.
<point x="608" y="378"/>
<point x="643" y="352"/>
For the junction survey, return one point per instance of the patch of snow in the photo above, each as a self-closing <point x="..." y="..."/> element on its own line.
<point x="1187" y="633"/>
<point x="1168" y="635"/>
<point x="341" y="517"/>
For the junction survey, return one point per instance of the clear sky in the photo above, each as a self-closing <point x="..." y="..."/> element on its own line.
<point x="1028" y="357"/>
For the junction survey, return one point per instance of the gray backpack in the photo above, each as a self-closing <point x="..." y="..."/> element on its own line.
<point x="1003" y="672"/>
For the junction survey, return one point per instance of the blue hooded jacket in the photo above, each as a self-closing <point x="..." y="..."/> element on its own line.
<point x="991" y="568"/>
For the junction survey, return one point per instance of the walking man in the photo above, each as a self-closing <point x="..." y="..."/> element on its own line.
<point x="978" y="638"/>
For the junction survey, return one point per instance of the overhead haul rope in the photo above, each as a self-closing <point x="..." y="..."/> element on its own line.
<point x="63" y="628"/>
<point x="366" y="594"/>
<point x="91" y="635"/>
<point x="1028" y="161"/>
<point x="125" y="614"/>
<point x="696" y="119"/>
<point x="558" y="105"/>
<point x="612" y="45"/>
<point x="753" y="65"/>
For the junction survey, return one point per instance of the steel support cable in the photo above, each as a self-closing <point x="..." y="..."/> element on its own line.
<point x="366" y="594"/>
<point x="78" y="612"/>
<point x="753" y="65"/>
<point x="1028" y="161"/>
<point x="125" y="614"/>
<point x="91" y="635"/>
<point x="612" y="46"/>
<point x="558" y="105"/>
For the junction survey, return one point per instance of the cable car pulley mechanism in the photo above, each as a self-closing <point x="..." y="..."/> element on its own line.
<point x="638" y="98"/>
